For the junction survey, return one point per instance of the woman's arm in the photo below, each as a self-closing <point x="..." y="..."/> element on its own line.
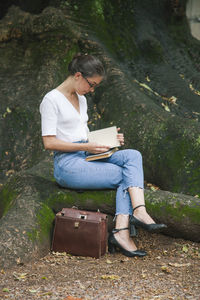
<point x="52" y="143"/>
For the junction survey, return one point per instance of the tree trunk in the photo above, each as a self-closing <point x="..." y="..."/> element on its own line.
<point x="151" y="92"/>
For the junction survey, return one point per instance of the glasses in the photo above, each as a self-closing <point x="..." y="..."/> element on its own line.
<point x="92" y="85"/>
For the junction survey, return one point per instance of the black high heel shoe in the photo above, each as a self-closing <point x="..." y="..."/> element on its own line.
<point x="113" y="244"/>
<point x="134" y="222"/>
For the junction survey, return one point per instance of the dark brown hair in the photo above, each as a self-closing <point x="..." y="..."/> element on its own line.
<point x="87" y="65"/>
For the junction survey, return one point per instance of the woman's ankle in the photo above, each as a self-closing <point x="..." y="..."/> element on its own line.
<point x="122" y="221"/>
<point x="139" y="209"/>
<point x="143" y="216"/>
<point x="125" y="241"/>
<point x="124" y="234"/>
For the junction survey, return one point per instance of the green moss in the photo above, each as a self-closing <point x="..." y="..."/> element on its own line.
<point x="111" y="25"/>
<point x="45" y="217"/>
<point x="70" y="54"/>
<point x="62" y="199"/>
<point x="97" y="8"/>
<point x="7" y="198"/>
<point x="198" y="141"/>
<point x="176" y="210"/>
<point x="33" y="235"/>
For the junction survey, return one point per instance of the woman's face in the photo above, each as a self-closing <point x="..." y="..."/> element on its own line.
<point x="87" y="84"/>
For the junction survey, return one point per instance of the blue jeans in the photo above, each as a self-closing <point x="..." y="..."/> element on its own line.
<point x="120" y="171"/>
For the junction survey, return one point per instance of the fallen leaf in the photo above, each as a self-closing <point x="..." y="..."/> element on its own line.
<point x="33" y="291"/>
<point x="173" y="99"/>
<point x="153" y="187"/>
<point x="185" y="249"/>
<point x="166" y="107"/>
<point x="193" y="89"/>
<point x="10" y="172"/>
<point x="110" y="277"/>
<point x="46" y="294"/>
<point x="8" y="110"/>
<point x="156" y="94"/>
<point x="20" y="276"/>
<point x="148" y="79"/>
<point x="144" y="275"/>
<point x="19" y="262"/>
<point x="166" y="269"/>
<point x="5" y="290"/>
<point x="124" y="259"/>
<point x="108" y="261"/>
<point x="60" y="253"/>
<point x="179" y="265"/>
<point x="146" y="86"/>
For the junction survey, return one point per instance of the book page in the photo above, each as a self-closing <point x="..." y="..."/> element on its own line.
<point x="105" y="136"/>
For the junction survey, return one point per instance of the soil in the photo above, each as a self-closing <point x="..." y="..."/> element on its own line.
<point x="171" y="270"/>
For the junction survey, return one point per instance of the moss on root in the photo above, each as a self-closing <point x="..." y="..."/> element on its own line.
<point x="45" y="215"/>
<point x="44" y="224"/>
<point x="7" y="197"/>
<point x="68" y="199"/>
<point x="177" y="211"/>
<point x="174" y="208"/>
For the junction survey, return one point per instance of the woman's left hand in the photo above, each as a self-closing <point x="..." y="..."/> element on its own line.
<point x="120" y="137"/>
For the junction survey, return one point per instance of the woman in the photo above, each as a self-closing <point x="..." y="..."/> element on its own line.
<point x="64" y="130"/>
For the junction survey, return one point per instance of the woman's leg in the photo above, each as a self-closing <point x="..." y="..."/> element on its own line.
<point x="71" y="170"/>
<point x="133" y="180"/>
<point x="123" y="236"/>
<point x="130" y="194"/>
<point x="137" y="198"/>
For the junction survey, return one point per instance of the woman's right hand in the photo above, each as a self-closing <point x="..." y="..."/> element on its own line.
<point x="95" y="148"/>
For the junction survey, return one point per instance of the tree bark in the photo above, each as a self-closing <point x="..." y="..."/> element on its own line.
<point x="132" y="96"/>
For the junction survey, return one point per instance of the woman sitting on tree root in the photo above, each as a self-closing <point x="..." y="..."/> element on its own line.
<point x="64" y="130"/>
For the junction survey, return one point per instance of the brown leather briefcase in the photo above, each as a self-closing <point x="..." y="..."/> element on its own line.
<point x="80" y="232"/>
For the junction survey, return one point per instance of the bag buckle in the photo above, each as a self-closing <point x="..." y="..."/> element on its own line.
<point x="76" y="224"/>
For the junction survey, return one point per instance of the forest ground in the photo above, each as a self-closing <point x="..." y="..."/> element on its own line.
<point x="171" y="270"/>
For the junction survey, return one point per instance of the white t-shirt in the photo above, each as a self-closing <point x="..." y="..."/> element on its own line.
<point x="60" y="118"/>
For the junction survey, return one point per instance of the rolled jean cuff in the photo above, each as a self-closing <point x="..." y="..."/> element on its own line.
<point x="118" y="213"/>
<point x="127" y="186"/>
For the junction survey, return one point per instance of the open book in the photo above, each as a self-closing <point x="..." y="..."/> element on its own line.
<point x="107" y="137"/>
